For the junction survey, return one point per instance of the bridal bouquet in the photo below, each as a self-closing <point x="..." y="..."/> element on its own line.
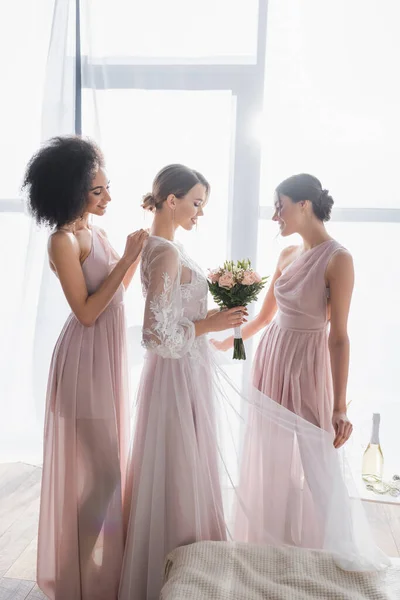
<point x="235" y="284"/>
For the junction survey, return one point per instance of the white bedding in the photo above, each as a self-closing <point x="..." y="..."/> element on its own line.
<point x="229" y="571"/>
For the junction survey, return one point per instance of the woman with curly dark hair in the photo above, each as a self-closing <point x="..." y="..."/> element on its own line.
<point x="87" y="423"/>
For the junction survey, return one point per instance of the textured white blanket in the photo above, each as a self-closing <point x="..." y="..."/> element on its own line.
<point x="228" y="571"/>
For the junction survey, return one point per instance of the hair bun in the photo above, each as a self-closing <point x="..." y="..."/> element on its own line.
<point x="324" y="195"/>
<point x="324" y="206"/>
<point x="149" y="202"/>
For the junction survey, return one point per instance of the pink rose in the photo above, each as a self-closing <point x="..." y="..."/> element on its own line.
<point x="249" y="277"/>
<point x="257" y="277"/>
<point x="214" y="276"/>
<point x="226" y="280"/>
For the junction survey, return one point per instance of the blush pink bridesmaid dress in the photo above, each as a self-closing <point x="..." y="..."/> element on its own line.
<point x="80" y="546"/>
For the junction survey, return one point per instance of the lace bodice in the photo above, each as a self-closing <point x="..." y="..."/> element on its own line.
<point x="176" y="291"/>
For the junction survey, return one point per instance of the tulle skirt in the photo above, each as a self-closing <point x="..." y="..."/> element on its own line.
<point x="80" y="545"/>
<point x="173" y="487"/>
<point x="209" y="464"/>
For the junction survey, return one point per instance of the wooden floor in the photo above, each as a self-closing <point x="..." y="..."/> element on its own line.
<point x="19" y="510"/>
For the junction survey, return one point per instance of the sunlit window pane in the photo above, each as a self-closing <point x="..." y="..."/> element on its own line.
<point x="141" y="132"/>
<point x="211" y="30"/>
<point x="332" y="98"/>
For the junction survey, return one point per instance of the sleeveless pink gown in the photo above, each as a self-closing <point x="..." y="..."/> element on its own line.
<point x="292" y="364"/>
<point x="283" y="474"/>
<point x="86" y="440"/>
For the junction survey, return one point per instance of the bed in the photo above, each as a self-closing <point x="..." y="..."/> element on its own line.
<point x="234" y="571"/>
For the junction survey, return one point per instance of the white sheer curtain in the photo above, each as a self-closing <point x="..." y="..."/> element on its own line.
<point x="155" y="90"/>
<point x="38" y="101"/>
<point x="178" y="81"/>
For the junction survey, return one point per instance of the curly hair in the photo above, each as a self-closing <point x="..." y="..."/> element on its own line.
<point x="58" y="178"/>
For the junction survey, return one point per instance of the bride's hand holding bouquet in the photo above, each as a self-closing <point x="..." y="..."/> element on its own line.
<point x="232" y="285"/>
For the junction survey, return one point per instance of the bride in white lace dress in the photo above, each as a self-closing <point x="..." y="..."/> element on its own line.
<point x="173" y="487"/>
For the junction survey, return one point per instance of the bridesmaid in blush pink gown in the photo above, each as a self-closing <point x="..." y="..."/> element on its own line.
<point x="80" y="545"/>
<point x="302" y="364"/>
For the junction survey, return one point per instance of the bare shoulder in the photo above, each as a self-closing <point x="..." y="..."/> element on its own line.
<point x="287" y="256"/>
<point x="340" y="265"/>
<point x="61" y="242"/>
<point x="289" y="251"/>
<point x="61" y="245"/>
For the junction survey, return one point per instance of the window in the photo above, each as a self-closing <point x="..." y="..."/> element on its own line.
<point x="173" y="32"/>
<point x="141" y="131"/>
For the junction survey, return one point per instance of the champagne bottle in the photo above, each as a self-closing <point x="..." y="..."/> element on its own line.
<point x="372" y="465"/>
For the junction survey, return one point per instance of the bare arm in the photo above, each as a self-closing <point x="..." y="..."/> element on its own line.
<point x="267" y="312"/>
<point x="220" y="320"/>
<point x="268" y="308"/>
<point x="263" y="318"/>
<point x="131" y="270"/>
<point x="340" y="278"/>
<point x="64" y="253"/>
<point x="130" y="273"/>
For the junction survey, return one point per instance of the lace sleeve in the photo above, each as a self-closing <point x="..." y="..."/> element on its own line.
<point x="165" y="330"/>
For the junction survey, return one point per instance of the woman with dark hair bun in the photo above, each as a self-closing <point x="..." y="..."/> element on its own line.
<point x="86" y="437"/>
<point x="310" y="290"/>
<point x="302" y="359"/>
